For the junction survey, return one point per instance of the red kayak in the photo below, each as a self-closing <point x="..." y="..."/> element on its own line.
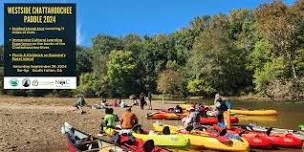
<point x="262" y="140"/>
<point x="167" y="115"/>
<point x="255" y="140"/>
<point x="139" y="145"/>
<point x="213" y="120"/>
<point x="283" y="140"/>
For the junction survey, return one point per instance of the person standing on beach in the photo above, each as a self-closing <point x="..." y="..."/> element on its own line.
<point x="150" y="100"/>
<point x="142" y="100"/>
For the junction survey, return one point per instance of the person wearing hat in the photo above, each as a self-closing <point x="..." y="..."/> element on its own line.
<point x="192" y="120"/>
<point x="128" y="119"/>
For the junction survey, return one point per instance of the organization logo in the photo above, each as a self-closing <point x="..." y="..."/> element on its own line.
<point x="26" y="82"/>
<point x="14" y="82"/>
<point x="62" y="82"/>
<point x="35" y="82"/>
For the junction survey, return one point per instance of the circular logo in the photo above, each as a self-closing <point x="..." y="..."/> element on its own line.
<point x="35" y="82"/>
<point x="14" y="82"/>
<point x="26" y="82"/>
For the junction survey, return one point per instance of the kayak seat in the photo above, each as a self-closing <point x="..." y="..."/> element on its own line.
<point x="166" y="130"/>
<point x="148" y="146"/>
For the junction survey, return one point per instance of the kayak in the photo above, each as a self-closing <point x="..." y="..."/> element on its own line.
<point x="213" y="120"/>
<point x="249" y="119"/>
<point x="78" y="141"/>
<point x="254" y="140"/>
<point x="186" y="106"/>
<point x="286" y="140"/>
<point x="137" y="146"/>
<point x="283" y="140"/>
<point x="296" y="133"/>
<point x="255" y="112"/>
<point x="172" y="141"/>
<point x="301" y="127"/>
<point x="204" y="141"/>
<point x="167" y="115"/>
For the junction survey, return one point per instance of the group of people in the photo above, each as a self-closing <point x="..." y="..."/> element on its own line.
<point x="142" y="99"/>
<point x="221" y="105"/>
<point x="127" y="120"/>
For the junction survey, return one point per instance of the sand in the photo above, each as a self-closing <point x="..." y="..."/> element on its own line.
<point x="31" y="127"/>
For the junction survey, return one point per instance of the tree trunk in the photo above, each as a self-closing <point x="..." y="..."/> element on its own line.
<point x="293" y="69"/>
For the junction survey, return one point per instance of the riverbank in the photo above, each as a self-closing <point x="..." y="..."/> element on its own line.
<point x="33" y="124"/>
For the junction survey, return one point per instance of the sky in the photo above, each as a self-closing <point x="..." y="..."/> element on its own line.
<point x="143" y="17"/>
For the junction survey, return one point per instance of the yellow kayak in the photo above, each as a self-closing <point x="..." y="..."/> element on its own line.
<point x="255" y="112"/>
<point x="173" y="141"/>
<point x="186" y="106"/>
<point x="176" y="141"/>
<point x="207" y="142"/>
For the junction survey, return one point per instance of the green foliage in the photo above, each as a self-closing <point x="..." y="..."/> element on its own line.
<point x="83" y="60"/>
<point x="271" y="71"/>
<point x="260" y="55"/>
<point x="89" y="85"/>
<point x="199" y="87"/>
<point x="169" y="83"/>
<point x="121" y="72"/>
<point x="243" y="51"/>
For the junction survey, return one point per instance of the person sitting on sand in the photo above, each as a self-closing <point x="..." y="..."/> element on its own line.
<point x="178" y="109"/>
<point x="80" y="103"/>
<point x="128" y="119"/>
<point x="114" y="103"/>
<point x="123" y="104"/>
<point x="109" y="120"/>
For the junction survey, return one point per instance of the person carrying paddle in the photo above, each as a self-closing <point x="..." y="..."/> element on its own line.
<point x="128" y="119"/>
<point x="221" y="107"/>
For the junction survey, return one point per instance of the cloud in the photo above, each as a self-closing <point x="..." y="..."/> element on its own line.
<point x="79" y="35"/>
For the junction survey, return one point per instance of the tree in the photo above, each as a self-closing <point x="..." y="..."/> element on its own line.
<point x="277" y="25"/>
<point x="169" y="81"/>
<point x="83" y="60"/>
<point x="216" y="60"/>
<point x="89" y="85"/>
<point x="121" y="73"/>
<point x="102" y="46"/>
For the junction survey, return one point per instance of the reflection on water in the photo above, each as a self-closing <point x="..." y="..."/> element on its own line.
<point x="290" y="115"/>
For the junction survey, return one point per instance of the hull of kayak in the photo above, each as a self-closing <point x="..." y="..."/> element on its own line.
<point x="296" y="133"/>
<point x="78" y="141"/>
<point x="173" y="141"/>
<point x="256" y="141"/>
<point x="283" y="140"/>
<point x="255" y="112"/>
<point x="167" y="115"/>
<point x="213" y="120"/>
<point x="207" y="142"/>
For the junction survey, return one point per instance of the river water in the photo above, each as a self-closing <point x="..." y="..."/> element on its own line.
<point x="290" y="115"/>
